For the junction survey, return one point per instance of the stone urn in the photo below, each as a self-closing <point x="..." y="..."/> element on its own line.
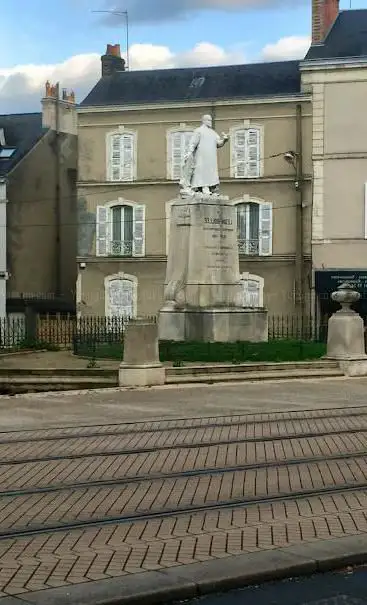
<point x="346" y="295"/>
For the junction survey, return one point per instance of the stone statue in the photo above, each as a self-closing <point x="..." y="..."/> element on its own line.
<point x="200" y="169"/>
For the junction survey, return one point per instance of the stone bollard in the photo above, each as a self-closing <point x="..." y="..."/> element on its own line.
<point x="346" y="342"/>
<point x="141" y="366"/>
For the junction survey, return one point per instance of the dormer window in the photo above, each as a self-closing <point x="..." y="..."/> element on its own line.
<point x="6" y="152"/>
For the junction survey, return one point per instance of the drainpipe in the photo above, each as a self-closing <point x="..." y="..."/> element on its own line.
<point x="213" y="113"/>
<point x="58" y="196"/>
<point x="3" y="252"/>
<point x="299" y="183"/>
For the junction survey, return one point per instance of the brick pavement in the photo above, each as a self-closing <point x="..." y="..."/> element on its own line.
<point x="151" y="440"/>
<point x="70" y="557"/>
<point x="102" y="551"/>
<point x="121" y="467"/>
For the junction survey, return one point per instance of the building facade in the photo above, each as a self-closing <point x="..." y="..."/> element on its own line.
<point x="334" y="72"/>
<point x="38" y="162"/>
<point x="133" y="129"/>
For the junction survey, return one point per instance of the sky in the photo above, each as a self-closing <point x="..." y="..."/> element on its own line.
<point x="63" y="40"/>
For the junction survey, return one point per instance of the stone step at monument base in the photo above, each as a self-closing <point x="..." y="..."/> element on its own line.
<point x="213" y="325"/>
<point x="255" y="376"/>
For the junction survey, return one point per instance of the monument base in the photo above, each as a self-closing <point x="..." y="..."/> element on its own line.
<point x="213" y="325"/>
<point x="142" y="375"/>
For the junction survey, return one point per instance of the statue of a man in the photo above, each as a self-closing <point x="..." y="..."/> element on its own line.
<point x="200" y="170"/>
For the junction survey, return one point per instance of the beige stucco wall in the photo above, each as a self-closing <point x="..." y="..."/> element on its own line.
<point x="151" y="126"/>
<point x="340" y="155"/>
<point x="277" y="185"/>
<point x="278" y="283"/>
<point x="31" y="216"/>
<point x="281" y="194"/>
<point x="345" y="116"/>
<point x="344" y="197"/>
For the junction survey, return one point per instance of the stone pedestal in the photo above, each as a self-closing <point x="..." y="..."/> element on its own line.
<point x="214" y="325"/>
<point x="141" y="366"/>
<point x="203" y="292"/>
<point x="346" y="342"/>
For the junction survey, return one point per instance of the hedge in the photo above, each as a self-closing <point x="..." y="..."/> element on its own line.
<point x="234" y="352"/>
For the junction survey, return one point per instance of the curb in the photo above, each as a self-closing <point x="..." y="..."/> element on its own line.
<point x="199" y="579"/>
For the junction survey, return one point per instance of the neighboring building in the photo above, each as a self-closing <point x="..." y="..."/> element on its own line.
<point x="133" y="129"/>
<point x="334" y="72"/>
<point x="38" y="161"/>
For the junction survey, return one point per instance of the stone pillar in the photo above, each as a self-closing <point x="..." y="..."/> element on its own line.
<point x="141" y="366"/>
<point x="345" y="341"/>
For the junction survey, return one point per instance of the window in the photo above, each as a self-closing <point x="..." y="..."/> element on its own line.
<point x="246" y="162"/>
<point x="197" y="82"/>
<point x="121" y="295"/>
<point x="6" y="153"/>
<point x="254" y="228"/>
<point x="177" y="144"/>
<point x="120" y="229"/>
<point x="121" y="156"/>
<point x="253" y="290"/>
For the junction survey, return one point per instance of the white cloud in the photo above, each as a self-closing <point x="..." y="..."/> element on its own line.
<point x="21" y="87"/>
<point x="293" y="47"/>
<point x="160" y="10"/>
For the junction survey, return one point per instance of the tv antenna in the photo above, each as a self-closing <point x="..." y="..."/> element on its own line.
<point x="126" y="15"/>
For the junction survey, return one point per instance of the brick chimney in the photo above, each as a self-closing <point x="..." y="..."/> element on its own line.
<point x="59" y="113"/>
<point x="112" y="61"/>
<point x="324" y="13"/>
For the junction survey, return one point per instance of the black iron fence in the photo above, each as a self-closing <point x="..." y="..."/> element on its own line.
<point x="86" y="332"/>
<point x="297" y="327"/>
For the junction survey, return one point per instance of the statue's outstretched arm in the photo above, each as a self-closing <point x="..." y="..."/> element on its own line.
<point x="222" y="139"/>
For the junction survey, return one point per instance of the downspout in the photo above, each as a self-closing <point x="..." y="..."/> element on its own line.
<point x="58" y="196"/>
<point x="299" y="184"/>
<point x="3" y="248"/>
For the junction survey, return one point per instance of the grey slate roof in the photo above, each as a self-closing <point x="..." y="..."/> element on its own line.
<point x="346" y="39"/>
<point x="204" y="83"/>
<point x="22" y="131"/>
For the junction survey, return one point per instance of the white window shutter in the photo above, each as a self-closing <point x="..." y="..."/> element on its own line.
<point x="103" y="232"/>
<point x="253" y="293"/>
<point x="115" y="159"/>
<point x="120" y="298"/>
<point x="177" y="154"/>
<point x="139" y="230"/>
<point x="253" y="153"/>
<point x="243" y="224"/>
<point x="128" y="156"/>
<point x="265" y="229"/>
<point x="239" y="154"/>
<point x="179" y="144"/>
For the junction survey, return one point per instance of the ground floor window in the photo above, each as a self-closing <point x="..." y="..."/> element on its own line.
<point x="253" y="290"/>
<point x="121" y="296"/>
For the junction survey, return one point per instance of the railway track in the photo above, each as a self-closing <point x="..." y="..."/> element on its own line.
<point x="158" y="426"/>
<point x="116" y="468"/>
<point x="87" y="446"/>
<point x="70" y="507"/>
<point x="67" y="479"/>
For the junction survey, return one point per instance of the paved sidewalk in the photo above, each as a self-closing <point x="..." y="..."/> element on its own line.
<point x="115" y="405"/>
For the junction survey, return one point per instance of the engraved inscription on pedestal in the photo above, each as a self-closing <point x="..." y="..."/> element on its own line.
<point x="203" y="262"/>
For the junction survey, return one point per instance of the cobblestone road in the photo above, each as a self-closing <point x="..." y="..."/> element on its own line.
<point x="82" y="504"/>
